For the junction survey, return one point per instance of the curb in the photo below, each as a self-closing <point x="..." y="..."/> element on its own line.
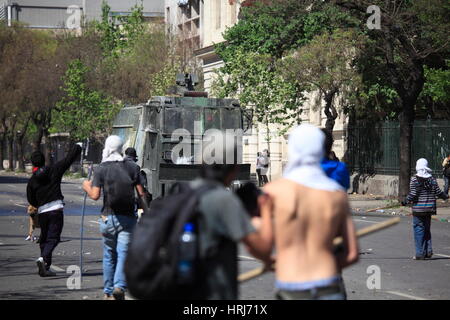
<point x="386" y="214"/>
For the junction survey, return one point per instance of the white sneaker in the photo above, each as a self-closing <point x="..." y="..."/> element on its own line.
<point x="28" y="238"/>
<point x="41" y="266"/>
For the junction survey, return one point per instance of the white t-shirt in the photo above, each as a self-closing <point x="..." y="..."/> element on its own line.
<point x="264" y="161"/>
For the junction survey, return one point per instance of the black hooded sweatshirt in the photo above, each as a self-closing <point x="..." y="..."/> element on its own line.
<point x="44" y="185"/>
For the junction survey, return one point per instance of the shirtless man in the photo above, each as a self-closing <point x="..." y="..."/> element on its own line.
<point x="309" y="211"/>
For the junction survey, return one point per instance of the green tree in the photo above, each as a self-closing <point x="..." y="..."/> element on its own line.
<point x="326" y="65"/>
<point x="253" y="48"/>
<point x="83" y="112"/>
<point x="413" y="35"/>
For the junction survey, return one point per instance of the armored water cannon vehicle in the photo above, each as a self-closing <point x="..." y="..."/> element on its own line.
<point x="154" y="128"/>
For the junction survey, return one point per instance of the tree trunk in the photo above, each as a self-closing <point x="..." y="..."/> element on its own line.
<point x="38" y="140"/>
<point x="406" y="132"/>
<point x="3" y="142"/>
<point x="10" y="144"/>
<point x="330" y="110"/>
<point x="48" y="148"/>
<point x="19" y="145"/>
<point x="2" y="148"/>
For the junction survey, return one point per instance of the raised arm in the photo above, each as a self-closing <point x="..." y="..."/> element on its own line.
<point x="64" y="164"/>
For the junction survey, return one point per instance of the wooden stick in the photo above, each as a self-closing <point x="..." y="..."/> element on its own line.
<point x="337" y="241"/>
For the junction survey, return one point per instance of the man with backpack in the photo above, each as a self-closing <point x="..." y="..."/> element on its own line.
<point x="117" y="179"/>
<point x="217" y="218"/>
<point x="446" y="173"/>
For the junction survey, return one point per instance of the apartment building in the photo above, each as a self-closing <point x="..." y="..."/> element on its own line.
<point x="59" y="14"/>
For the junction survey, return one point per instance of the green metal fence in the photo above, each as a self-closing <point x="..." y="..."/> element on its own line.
<point x="373" y="148"/>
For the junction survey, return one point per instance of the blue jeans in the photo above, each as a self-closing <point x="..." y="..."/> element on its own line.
<point x="116" y="231"/>
<point x="422" y="235"/>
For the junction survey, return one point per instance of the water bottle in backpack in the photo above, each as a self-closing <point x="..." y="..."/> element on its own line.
<point x="187" y="255"/>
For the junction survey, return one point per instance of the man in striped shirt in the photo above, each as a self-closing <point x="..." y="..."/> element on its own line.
<point x="423" y="191"/>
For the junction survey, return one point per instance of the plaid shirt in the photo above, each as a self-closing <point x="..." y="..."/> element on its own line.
<point x="422" y="198"/>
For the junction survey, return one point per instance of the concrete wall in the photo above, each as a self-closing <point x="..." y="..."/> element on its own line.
<point x="385" y="185"/>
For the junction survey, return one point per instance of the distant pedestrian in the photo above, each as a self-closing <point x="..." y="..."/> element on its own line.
<point x="118" y="179"/>
<point x="259" y="166"/>
<point x="333" y="168"/>
<point x="423" y="190"/>
<point x="264" y="161"/>
<point x="446" y="173"/>
<point x="44" y="193"/>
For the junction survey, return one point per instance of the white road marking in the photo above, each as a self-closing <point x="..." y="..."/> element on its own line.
<point x="370" y="221"/>
<point x="442" y="255"/>
<point x="405" y="295"/>
<point x="56" y="268"/>
<point x="1" y="243"/>
<point x="248" y="258"/>
<point x="10" y="185"/>
<point x="20" y="205"/>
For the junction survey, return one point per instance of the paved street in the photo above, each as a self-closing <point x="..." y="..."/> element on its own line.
<point x="391" y="250"/>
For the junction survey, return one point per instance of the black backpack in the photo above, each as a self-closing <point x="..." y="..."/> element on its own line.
<point x="152" y="258"/>
<point x="118" y="186"/>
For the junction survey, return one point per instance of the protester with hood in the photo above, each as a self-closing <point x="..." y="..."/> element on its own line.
<point x="44" y="193"/>
<point x="118" y="179"/>
<point x="309" y="211"/>
<point x="423" y="191"/>
<point x="333" y="168"/>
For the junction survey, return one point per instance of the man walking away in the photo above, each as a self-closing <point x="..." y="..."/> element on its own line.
<point x="310" y="210"/>
<point x="446" y="173"/>
<point x="44" y="193"/>
<point x="223" y="223"/>
<point x="423" y="190"/>
<point x="118" y="179"/>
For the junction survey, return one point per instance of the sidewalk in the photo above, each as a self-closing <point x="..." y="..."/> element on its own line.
<point x="360" y="204"/>
<point x="4" y="173"/>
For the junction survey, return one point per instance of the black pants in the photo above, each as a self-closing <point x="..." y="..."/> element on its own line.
<point x="51" y="227"/>
<point x="258" y="173"/>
